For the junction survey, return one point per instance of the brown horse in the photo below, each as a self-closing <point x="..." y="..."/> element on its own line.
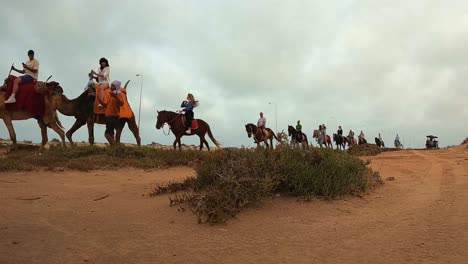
<point x="297" y="137"/>
<point x="177" y="126"/>
<point x="327" y="140"/>
<point x="268" y="134"/>
<point x="340" y="141"/>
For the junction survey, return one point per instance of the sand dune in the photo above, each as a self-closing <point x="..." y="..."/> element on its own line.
<point x="107" y="217"/>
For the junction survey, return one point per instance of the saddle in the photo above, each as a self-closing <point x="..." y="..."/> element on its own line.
<point x="30" y="97"/>
<point x="194" y="124"/>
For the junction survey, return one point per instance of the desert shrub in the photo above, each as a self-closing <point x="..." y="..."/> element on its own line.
<point x="229" y="180"/>
<point x="364" y="150"/>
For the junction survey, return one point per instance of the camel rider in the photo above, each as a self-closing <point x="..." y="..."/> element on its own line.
<point x="187" y="107"/>
<point x="102" y="76"/>
<point x="299" y="129"/>
<point x="397" y="138"/>
<point x="261" y="123"/>
<point x="30" y="71"/>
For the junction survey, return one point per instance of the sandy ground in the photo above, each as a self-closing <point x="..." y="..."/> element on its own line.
<point x="420" y="217"/>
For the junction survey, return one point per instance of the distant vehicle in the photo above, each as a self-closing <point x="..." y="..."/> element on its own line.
<point x="431" y="142"/>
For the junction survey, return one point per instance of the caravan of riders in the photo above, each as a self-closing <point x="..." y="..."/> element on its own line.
<point x="109" y="100"/>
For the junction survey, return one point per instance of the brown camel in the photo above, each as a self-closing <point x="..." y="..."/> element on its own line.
<point x="83" y="110"/>
<point x="50" y="118"/>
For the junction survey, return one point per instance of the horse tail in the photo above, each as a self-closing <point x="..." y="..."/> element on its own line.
<point x="212" y="137"/>
<point x="274" y="135"/>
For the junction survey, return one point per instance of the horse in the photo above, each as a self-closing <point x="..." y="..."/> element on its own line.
<point x="379" y="143"/>
<point x="177" y="126"/>
<point x="362" y="141"/>
<point x="351" y="141"/>
<point x="327" y="140"/>
<point x="297" y="137"/>
<point x="398" y="144"/>
<point x="340" y="141"/>
<point x="253" y="130"/>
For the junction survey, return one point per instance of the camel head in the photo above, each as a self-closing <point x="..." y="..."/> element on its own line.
<point x="54" y="87"/>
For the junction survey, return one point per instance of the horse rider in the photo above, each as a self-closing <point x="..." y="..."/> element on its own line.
<point x="321" y="135"/>
<point x="30" y="71"/>
<point x="261" y="123"/>
<point x="340" y="131"/>
<point x="361" y="136"/>
<point x="187" y="107"/>
<point x="299" y="129"/>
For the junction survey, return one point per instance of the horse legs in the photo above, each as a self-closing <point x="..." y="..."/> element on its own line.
<point x="11" y="130"/>
<point x="78" y="123"/>
<point x="206" y="143"/>
<point x="175" y="142"/>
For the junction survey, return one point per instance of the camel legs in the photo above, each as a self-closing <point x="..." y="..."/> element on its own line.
<point x="11" y="130"/>
<point x="78" y="123"/>
<point x="44" y="135"/>
<point x="90" y="124"/>
<point x="59" y="131"/>
<point x="132" y="125"/>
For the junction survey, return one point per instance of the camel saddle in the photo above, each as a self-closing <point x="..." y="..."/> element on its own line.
<point x="30" y="97"/>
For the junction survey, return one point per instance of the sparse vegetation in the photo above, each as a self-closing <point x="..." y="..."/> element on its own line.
<point x="226" y="180"/>
<point x="230" y="180"/>
<point x="92" y="157"/>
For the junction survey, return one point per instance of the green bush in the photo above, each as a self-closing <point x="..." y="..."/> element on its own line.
<point x="230" y="180"/>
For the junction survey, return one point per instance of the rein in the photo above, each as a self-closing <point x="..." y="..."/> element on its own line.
<point x="168" y="123"/>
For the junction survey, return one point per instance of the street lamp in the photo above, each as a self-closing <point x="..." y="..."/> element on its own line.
<point x="276" y="116"/>
<point x="141" y="91"/>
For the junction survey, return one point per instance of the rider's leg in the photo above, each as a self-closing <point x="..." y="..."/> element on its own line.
<point x="16" y="82"/>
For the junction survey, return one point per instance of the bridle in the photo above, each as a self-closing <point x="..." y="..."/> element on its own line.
<point x="168" y="122"/>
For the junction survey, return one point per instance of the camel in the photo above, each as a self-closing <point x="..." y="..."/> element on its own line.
<point x="82" y="109"/>
<point x="50" y="118"/>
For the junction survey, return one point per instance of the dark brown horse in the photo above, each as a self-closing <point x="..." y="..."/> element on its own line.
<point x="259" y="135"/>
<point x="297" y="137"/>
<point x="340" y="141"/>
<point x="175" y="122"/>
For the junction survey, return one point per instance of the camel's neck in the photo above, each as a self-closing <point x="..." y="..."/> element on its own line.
<point x="65" y="105"/>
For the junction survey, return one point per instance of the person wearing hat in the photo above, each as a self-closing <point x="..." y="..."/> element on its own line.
<point x="30" y="71"/>
<point x="113" y="102"/>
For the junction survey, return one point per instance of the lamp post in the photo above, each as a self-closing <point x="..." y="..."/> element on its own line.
<point x="276" y="115"/>
<point x="141" y="92"/>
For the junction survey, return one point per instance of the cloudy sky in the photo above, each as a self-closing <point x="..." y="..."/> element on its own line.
<point x="377" y="66"/>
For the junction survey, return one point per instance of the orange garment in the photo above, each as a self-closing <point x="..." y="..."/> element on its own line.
<point x="125" y="110"/>
<point x="101" y="109"/>
<point x="113" y="103"/>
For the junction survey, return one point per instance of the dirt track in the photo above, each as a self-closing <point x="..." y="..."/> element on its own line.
<point x="421" y="217"/>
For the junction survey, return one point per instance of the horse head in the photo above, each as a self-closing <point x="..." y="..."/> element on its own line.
<point x="249" y="128"/>
<point x="291" y="130"/>
<point x="160" y="119"/>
